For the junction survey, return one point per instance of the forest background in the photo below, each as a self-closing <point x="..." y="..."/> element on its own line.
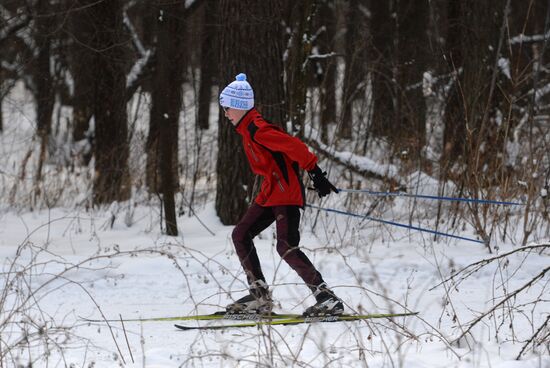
<point x="447" y="98"/>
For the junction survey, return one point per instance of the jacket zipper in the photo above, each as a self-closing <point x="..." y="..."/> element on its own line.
<point x="279" y="181"/>
<point x="253" y="154"/>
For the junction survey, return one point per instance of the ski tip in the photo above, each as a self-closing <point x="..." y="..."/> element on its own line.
<point x="182" y="327"/>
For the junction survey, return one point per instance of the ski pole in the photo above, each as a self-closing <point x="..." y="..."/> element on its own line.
<point x="396" y="224"/>
<point x="455" y="199"/>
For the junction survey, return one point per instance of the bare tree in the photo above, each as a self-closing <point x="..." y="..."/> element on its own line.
<point x="327" y="20"/>
<point x="167" y="101"/>
<point x="380" y="48"/>
<point x="81" y="30"/>
<point x="398" y="59"/>
<point x="355" y="63"/>
<point x="112" y="177"/>
<point x="412" y="54"/>
<point x="2" y="83"/>
<point x="250" y="41"/>
<point x="43" y="79"/>
<point x="209" y="61"/>
<point x="302" y="15"/>
<point x="433" y="85"/>
<point x="470" y="22"/>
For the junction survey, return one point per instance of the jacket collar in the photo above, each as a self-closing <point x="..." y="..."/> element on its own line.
<point x="242" y="125"/>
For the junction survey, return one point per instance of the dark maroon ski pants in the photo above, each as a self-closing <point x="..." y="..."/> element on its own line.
<point x="287" y="218"/>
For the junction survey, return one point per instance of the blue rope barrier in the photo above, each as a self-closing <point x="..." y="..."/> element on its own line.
<point x="402" y="194"/>
<point x="396" y="224"/>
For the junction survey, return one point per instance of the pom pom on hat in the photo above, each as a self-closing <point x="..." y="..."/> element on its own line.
<point x="238" y="94"/>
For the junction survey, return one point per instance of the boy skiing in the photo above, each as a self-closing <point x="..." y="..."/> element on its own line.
<point x="277" y="156"/>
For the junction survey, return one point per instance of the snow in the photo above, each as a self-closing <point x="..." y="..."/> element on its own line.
<point x="504" y="65"/>
<point x="524" y="39"/>
<point x="427" y="83"/>
<point x="133" y="272"/>
<point x="69" y="261"/>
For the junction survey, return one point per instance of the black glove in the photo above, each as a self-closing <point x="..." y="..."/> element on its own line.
<point x="322" y="186"/>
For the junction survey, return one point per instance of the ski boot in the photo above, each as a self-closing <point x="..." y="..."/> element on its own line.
<point x="327" y="304"/>
<point x="258" y="301"/>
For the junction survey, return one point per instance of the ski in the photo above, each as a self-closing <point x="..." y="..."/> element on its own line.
<point x="201" y="317"/>
<point x="298" y="320"/>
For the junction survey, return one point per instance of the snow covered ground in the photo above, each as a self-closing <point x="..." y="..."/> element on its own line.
<point x="135" y="272"/>
<point x="71" y="262"/>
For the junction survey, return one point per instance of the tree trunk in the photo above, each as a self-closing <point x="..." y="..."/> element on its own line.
<point x="471" y="101"/>
<point x="355" y="61"/>
<point x="112" y="177"/>
<point x="81" y="31"/>
<point x="412" y="55"/>
<point x="433" y="87"/>
<point x="302" y="16"/>
<point x="525" y="76"/>
<point x="251" y="42"/>
<point x="2" y="83"/>
<point x="167" y="101"/>
<point x="398" y="59"/>
<point x="83" y="76"/>
<point x="209" y="61"/>
<point x="381" y="68"/>
<point x="327" y="19"/>
<point x="43" y="80"/>
<point x="166" y="84"/>
<point x="455" y="121"/>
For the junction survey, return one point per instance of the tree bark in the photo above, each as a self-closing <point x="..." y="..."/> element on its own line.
<point x="111" y="150"/>
<point x="455" y="120"/>
<point x="380" y="49"/>
<point x="45" y="96"/>
<point x="82" y="31"/>
<point x="466" y="124"/>
<point x="251" y="42"/>
<point x="2" y="83"/>
<point x="327" y="19"/>
<point x="412" y="54"/>
<point x="166" y="84"/>
<point x="355" y="61"/>
<point x="399" y="57"/>
<point x="167" y="101"/>
<point x="209" y="62"/>
<point x="433" y="87"/>
<point x="302" y="16"/>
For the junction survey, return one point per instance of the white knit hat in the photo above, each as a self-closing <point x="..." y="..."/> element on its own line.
<point x="238" y="94"/>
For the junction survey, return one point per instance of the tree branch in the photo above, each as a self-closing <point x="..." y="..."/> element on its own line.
<point x="350" y="161"/>
<point x="534" y="337"/>
<point x="483" y="262"/>
<point x="504" y="300"/>
<point x="10" y="31"/>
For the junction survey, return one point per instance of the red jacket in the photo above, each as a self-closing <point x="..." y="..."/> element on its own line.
<point x="277" y="156"/>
